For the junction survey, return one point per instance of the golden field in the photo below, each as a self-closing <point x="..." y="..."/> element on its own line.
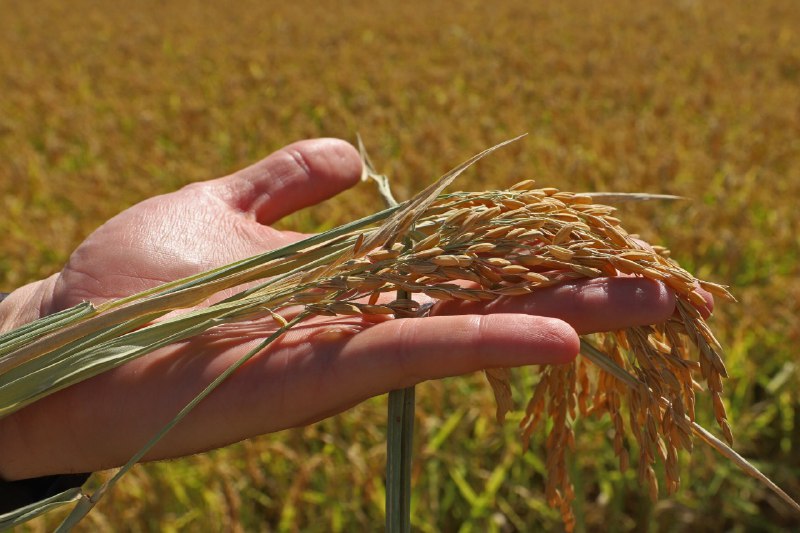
<point x="102" y="106"/>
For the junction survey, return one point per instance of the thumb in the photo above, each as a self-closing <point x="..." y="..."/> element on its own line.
<point x="296" y="176"/>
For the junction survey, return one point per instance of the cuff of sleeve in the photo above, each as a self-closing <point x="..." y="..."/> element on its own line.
<point x="16" y="494"/>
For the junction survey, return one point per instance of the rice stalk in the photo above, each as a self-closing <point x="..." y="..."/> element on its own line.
<point x="400" y="411"/>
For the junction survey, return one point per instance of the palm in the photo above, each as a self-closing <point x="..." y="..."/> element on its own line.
<point x="163" y="239"/>
<point x="312" y="372"/>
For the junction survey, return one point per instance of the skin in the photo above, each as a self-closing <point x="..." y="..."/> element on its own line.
<point x="313" y="372"/>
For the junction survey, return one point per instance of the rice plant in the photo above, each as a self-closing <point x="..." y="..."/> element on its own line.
<point x="400" y="262"/>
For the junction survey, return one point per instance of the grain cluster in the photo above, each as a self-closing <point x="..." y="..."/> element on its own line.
<point x="480" y="246"/>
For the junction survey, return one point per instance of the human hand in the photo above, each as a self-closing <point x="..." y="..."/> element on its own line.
<point x="316" y="370"/>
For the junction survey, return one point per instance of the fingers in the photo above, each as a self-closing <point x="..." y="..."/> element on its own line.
<point x="297" y="176"/>
<point x="402" y="352"/>
<point x="708" y="309"/>
<point x="705" y="310"/>
<point x="601" y="304"/>
<point x="309" y="376"/>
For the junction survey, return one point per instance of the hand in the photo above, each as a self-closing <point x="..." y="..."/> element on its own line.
<point x="319" y="369"/>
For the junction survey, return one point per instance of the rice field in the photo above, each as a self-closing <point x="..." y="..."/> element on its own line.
<point x="103" y="106"/>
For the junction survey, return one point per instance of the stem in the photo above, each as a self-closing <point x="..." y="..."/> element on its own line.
<point x="399" y="441"/>
<point x="400" y="420"/>
<point x="398" y="463"/>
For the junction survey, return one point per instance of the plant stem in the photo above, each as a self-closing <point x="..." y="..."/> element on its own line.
<point x="399" y="441"/>
<point x="398" y="464"/>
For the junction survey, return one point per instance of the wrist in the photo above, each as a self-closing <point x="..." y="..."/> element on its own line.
<point x="17" y="308"/>
<point x="23" y="305"/>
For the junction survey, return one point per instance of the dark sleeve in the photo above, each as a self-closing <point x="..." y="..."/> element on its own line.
<point x="16" y="494"/>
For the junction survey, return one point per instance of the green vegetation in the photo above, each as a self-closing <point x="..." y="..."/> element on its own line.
<point x="104" y="105"/>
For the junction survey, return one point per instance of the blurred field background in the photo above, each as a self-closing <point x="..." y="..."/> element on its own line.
<point x="102" y="105"/>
